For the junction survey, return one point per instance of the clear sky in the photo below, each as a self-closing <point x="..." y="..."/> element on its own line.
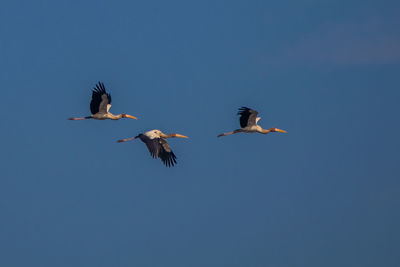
<point x="324" y="194"/>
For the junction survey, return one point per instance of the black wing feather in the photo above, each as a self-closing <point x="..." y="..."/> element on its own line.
<point x="247" y="116"/>
<point x="159" y="148"/>
<point x="166" y="155"/>
<point x="152" y="145"/>
<point x="97" y="94"/>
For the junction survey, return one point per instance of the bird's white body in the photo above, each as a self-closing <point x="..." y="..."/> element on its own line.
<point x="101" y="116"/>
<point x="108" y="115"/>
<point x="252" y="129"/>
<point x="153" y="134"/>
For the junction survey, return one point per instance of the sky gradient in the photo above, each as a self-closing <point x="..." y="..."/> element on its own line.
<point x="324" y="194"/>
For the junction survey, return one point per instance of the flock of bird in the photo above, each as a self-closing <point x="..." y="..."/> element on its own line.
<point x="155" y="140"/>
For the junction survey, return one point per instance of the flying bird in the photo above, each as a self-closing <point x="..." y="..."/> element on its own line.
<point x="100" y="106"/>
<point x="157" y="144"/>
<point x="248" y="123"/>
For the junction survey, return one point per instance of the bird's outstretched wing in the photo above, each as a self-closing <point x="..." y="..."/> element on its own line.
<point x="247" y="116"/>
<point x="152" y="145"/>
<point x="159" y="148"/>
<point x="166" y="155"/>
<point x="101" y="101"/>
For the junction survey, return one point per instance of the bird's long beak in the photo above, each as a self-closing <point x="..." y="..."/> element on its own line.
<point x="130" y="116"/>
<point x="279" y="130"/>
<point x="177" y="135"/>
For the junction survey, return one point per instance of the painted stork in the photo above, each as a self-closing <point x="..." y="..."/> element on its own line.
<point x="248" y="123"/>
<point x="100" y="106"/>
<point x="157" y="144"/>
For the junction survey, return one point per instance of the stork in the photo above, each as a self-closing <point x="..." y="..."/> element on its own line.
<point x="157" y="145"/>
<point x="248" y="123"/>
<point x="100" y="106"/>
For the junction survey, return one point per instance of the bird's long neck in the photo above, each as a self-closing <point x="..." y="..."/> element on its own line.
<point x="119" y="116"/>
<point x="115" y="117"/>
<point x="270" y="130"/>
<point x="265" y="131"/>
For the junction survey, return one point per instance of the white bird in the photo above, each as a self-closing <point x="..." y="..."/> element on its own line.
<point x="248" y="123"/>
<point x="157" y="145"/>
<point x="100" y="106"/>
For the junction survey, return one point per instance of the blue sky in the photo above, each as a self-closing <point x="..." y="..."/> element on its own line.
<point x="324" y="194"/>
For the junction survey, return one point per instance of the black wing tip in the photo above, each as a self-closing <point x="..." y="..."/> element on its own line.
<point x="242" y="110"/>
<point x="170" y="160"/>
<point x="99" y="88"/>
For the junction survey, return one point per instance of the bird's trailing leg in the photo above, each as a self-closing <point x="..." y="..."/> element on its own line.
<point x="127" y="139"/>
<point x="77" y="119"/>
<point x="235" y="131"/>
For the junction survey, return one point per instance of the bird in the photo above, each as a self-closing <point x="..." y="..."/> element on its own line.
<point x="100" y="106"/>
<point x="248" y="123"/>
<point x="157" y="145"/>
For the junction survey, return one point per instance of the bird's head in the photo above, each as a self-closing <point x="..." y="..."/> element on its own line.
<point x="159" y="133"/>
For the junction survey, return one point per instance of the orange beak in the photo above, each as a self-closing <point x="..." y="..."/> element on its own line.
<point x="181" y="136"/>
<point x="177" y="135"/>
<point x="279" y="130"/>
<point x="129" y="116"/>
